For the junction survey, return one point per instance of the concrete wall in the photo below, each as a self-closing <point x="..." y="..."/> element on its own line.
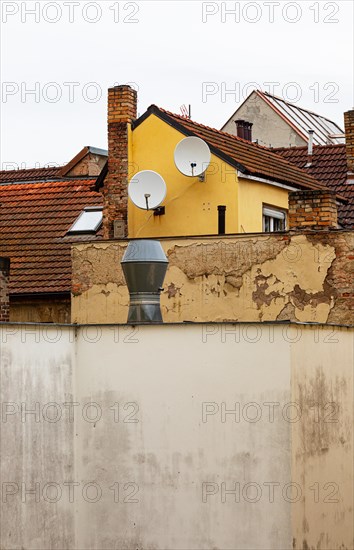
<point x="268" y="127"/>
<point x="36" y="370"/>
<point x="297" y="277"/>
<point x="134" y="447"/>
<point x="322" y="441"/>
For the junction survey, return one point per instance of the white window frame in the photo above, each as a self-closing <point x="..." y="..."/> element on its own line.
<point x="274" y="214"/>
<point x="73" y="231"/>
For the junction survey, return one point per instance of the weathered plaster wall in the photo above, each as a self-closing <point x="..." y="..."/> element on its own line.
<point x="153" y="440"/>
<point x="303" y="277"/>
<point x="36" y="369"/>
<point x="322" y="440"/>
<point x="171" y="452"/>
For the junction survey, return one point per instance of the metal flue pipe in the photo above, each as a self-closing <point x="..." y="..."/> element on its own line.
<point x="144" y="266"/>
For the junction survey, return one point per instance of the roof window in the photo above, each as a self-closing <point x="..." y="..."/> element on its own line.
<point x="89" y="221"/>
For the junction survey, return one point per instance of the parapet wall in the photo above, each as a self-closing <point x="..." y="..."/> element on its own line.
<point x="304" y="277"/>
<point x="187" y="436"/>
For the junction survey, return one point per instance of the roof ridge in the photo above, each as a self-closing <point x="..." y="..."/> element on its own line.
<point x="16" y="170"/>
<point x="236" y="138"/>
<point x="77" y="179"/>
<point x="298" y="147"/>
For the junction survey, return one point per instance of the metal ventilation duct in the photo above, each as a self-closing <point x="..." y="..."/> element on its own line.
<point x="144" y="266"/>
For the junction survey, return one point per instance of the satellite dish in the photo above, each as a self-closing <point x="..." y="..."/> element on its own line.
<point x="147" y="189"/>
<point x="192" y="156"/>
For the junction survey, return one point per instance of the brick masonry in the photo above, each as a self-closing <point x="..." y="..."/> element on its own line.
<point x="349" y="139"/>
<point x="122" y="110"/>
<point x="312" y="210"/>
<point x="4" y="290"/>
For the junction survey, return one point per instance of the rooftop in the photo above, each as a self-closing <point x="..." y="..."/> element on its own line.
<point x="303" y="120"/>
<point x="250" y="158"/>
<point x="327" y="164"/>
<point x="34" y="220"/>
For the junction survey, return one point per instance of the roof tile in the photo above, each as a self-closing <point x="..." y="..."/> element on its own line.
<point x="34" y="218"/>
<point x="254" y="159"/>
<point x="328" y="165"/>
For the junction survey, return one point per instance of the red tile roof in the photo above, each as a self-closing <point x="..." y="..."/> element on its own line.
<point x="250" y="158"/>
<point x="32" y="174"/>
<point x="41" y="174"/>
<point x="34" y="219"/>
<point x="328" y="165"/>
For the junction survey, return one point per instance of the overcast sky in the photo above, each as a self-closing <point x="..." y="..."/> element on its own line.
<point x="67" y="53"/>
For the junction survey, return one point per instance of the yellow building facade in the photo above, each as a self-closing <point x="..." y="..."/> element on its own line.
<point x="191" y="205"/>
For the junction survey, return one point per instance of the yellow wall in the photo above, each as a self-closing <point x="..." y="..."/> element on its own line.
<point x="191" y="205"/>
<point x="253" y="277"/>
<point x="252" y="196"/>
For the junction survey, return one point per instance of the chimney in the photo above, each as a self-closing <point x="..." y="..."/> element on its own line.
<point x="244" y="129"/>
<point x="349" y="143"/>
<point x="312" y="209"/>
<point x="310" y="143"/>
<point x="309" y="149"/>
<point x="122" y="106"/>
<point x="4" y="290"/>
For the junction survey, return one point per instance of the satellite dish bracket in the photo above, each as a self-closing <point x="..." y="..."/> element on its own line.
<point x="147" y="196"/>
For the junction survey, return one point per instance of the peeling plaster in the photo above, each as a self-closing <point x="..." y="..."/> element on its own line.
<point x="241" y="279"/>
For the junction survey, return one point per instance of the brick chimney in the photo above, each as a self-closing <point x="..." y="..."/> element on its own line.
<point x="122" y="108"/>
<point x="4" y="290"/>
<point x="312" y="210"/>
<point x="244" y="129"/>
<point x="349" y="143"/>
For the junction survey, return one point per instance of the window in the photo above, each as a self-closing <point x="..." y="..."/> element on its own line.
<point x="273" y="219"/>
<point x="89" y="220"/>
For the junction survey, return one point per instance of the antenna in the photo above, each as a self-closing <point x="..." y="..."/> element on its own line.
<point x="192" y="156"/>
<point x="147" y="189"/>
<point x="184" y="111"/>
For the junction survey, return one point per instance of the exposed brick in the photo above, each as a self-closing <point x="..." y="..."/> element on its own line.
<point x="4" y="290"/>
<point x="313" y="209"/>
<point x="349" y="139"/>
<point x="122" y="110"/>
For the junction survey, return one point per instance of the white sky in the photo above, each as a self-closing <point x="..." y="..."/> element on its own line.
<point x="172" y="56"/>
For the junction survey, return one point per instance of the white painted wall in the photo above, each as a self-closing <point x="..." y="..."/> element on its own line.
<point x="161" y="450"/>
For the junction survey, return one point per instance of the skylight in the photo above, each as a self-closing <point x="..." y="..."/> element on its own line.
<point x="89" y="220"/>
